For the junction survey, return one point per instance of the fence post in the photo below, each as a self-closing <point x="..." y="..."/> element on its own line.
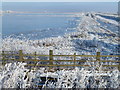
<point x="3" y="58"/>
<point x="98" y="59"/>
<point x="35" y="58"/>
<point x="51" y="57"/>
<point x="74" y="59"/>
<point x="20" y="55"/>
<point x="34" y="61"/>
<point x="119" y="66"/>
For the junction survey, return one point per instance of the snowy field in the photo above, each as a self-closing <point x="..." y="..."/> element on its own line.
<point x="95" y="32"/>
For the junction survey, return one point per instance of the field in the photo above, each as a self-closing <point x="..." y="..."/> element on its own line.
<point x="96" y="32"/>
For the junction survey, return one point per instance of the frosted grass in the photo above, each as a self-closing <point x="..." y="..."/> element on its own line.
<point x="90" y="38"/>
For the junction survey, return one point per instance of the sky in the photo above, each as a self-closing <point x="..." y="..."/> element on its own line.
<point x="60" y="0"/>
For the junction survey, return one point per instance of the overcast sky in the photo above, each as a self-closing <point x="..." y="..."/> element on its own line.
<point x="59" y="0"/>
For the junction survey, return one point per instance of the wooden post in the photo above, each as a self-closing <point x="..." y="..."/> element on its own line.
<point x="20" y="55"/>
<point x="51" y="57"/>
<point x="98" y="59"/>
<point x="35" y="58"/>
<point x="34" y="62"/>
<point x="119" y="66"/>
<point x="3" y="58"/>
<point x="74" y="59"/>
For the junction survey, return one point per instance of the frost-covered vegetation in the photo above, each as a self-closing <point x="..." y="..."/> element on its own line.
<point x="15" y="75"/>
<point x="95" y="32"/>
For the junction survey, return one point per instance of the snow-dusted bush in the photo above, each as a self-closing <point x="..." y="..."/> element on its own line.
<point x="15" y="75"/>
<point x="82" y="78"/>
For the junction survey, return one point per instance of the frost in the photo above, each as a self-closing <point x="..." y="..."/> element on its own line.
<point x="15" y="75"/>
<point x="91" y="36"/>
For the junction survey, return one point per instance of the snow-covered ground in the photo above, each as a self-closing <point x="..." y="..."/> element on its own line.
<point x="91" y="36"/>
<point x="94" y="33"/>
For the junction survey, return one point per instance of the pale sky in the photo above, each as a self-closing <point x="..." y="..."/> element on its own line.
<point x="60" y="0"/>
